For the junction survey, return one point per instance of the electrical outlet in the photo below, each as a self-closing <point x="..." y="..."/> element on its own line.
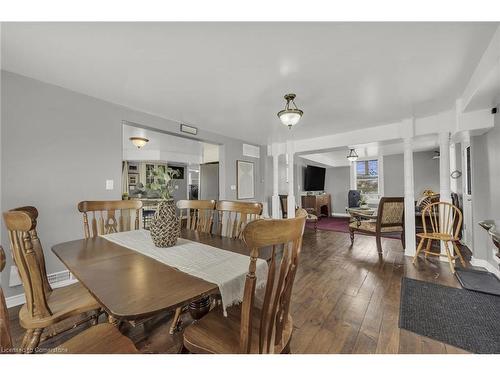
<point x="14" y="279"/>
<point x="109" y="184"/>
<point x="233" y="187"/>
<point x="176" y="187"/>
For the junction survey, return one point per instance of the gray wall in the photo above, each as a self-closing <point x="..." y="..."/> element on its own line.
<point x="58" y="147"/>
<point x="485" y="188"/>
<point x="425" y="173"/>
<point x="337" y="183"/>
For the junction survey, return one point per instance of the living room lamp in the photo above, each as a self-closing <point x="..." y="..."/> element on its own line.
<point x="352" y="156"/>
<point x="290" y="116"/>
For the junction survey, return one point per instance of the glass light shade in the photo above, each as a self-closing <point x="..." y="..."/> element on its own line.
<point x="290" y="117"/>
<point x="139" y="142"/>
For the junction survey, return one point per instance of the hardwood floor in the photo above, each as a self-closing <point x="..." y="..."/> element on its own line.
<point x="345" y="300"/>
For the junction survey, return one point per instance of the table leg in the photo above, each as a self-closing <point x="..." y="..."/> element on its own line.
<point x="199" y="308"/>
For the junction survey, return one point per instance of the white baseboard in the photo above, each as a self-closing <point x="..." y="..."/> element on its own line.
<point x="340" y="214"/>
<point x="485" y="264"/>
<point x="62" y="278"/>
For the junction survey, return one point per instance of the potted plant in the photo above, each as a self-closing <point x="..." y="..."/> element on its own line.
<point x="164" y="227"/>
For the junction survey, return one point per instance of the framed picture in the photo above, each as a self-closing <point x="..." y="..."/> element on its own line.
<point x="245" y="180"/>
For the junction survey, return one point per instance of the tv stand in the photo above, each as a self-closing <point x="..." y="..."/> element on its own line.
<point x="321" y="203"/>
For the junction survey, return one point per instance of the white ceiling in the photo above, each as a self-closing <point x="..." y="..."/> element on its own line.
<point x="229" y="78"/>
<point x="338" y="157"/>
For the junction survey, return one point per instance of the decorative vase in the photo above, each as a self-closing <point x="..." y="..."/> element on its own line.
<point x="164" y="226"/>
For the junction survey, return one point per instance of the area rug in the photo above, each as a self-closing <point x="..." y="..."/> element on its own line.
<point x="459" y="317"/>
<point x="341" y="224"/>
<point x="478" y="280"/>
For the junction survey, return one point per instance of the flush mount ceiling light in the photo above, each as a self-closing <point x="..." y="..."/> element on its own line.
<point x="139" y="142"/>
<point x="352" y="156"/>
<point x="290" y="116"/>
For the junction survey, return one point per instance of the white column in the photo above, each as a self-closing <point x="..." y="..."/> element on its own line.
<point x="290" y="168"/>
<point x="444" y="176"/>
<point x="409" y="198"/>
<point x="275" y="197"/>
<point x="453" y="167"/>
<point x="444" y="167"/>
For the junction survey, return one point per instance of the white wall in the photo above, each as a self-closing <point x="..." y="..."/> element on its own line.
<point x="58" y="147"/>
<point x="485" y="189"/>
<point x="425" y="171"/>
<point x="337" y="184"/>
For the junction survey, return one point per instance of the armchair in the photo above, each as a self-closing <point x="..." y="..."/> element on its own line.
<point x="389" y="219"/>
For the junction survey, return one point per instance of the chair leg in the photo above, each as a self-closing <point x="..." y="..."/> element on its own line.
<point x="457" y="250"/>
<point x="403" y="240"/>
<point x="26" y="339"/>
<point x="35" y="340"/>
<point x="175" y="321"/>
<point x="351" y="234"/>
<point x="450" y="258"/>
<point x="379" y="244"/>
<point x="419" y="249"/>
<point x="428" y="248"/>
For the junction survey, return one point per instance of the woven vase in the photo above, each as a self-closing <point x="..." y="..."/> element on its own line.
<point x="164" y="227"/>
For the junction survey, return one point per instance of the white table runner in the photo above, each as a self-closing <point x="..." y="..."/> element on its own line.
<point x="226" y="269"/>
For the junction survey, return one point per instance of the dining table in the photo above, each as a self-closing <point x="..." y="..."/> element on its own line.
<point x="133" y="287"/>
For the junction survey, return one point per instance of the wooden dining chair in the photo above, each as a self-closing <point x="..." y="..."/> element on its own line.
<point x="249" y="328"/>
<point x="389" y="219"/>
<point x="233" y="216"/>
<point x="446" y="221"/>
<point x="44" y="306"/>
<point x="109" y="216"/>
<point x="197" y="214"/>
<point x="99" y="339"/>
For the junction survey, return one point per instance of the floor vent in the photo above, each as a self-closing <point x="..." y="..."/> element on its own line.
<point x="60" y="277"/>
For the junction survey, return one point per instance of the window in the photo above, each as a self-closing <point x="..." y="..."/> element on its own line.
<point x="367" y="177"/>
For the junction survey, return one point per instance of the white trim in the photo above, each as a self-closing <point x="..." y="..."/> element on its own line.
<point x="20" y="299"/>
<point x="485" y="264"/>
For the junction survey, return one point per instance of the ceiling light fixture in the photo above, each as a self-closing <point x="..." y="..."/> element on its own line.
<point x="139" y="142"/>
<point x="290" y="116"/>
<point x="352" y="156"/>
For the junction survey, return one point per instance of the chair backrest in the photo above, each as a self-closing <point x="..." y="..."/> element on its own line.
<point x="105" y="218"/>
<point x="444" y="217"/>
<point x="353" y="198"/>
<point x="284" y="205"/>
<point x="390" y="212"/>
<point x="285" y="234"/>
<point x="199" y="214"/>
<point x="233" y="216"/>
<point x="5" y="337"/>
<point x="28" y="256"/>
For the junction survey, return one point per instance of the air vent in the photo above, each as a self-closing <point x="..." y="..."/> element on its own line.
<point x="251" y="151"/>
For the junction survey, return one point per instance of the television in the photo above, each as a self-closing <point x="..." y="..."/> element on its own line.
<point x="314" y="178"/>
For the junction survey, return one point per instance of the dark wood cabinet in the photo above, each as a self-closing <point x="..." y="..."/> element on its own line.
<point x="320" y="203"/>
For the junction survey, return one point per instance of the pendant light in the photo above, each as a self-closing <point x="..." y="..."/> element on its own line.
<point x="290" y="116"/>
<point x="139" y="142"/>
<point x="352" y="156"/>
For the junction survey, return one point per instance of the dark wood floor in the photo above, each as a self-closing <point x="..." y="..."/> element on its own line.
<point x="345" y="300"/>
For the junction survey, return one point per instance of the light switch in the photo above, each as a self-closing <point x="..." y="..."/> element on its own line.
<point x="233" y="187"/>
<point x="109" y="184"/>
